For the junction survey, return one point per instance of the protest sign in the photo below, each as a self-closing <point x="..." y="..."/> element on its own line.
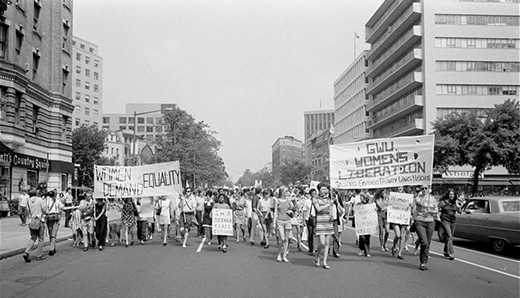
<point x="399" y="210"/>
<point x="222" y="222"/>
<point x="139" y="181"/>
<point x="381" y="163"/>
<point x="365" y="216"/>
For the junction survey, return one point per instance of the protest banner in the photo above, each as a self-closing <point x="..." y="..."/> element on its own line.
<point x="399" y="210"/>
<point x="365" y="216"/>
<point x="139" y="181"/>
<point x="222" y="222"/>
<point x="381" y="163"/>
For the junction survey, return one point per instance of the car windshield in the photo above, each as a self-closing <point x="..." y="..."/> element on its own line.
<point x="511" y="206"/>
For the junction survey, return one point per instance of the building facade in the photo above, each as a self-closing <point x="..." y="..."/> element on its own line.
<point x="320" y="154"/>
<point x="35" y="95"/>
<point x="350" y="100"/>
<point x="285" y="149"/>
<point x="115" y="147"/>
<point x="314" y="122"/>
<point x="148" y="119"/>
<point x="87" y="79"/>
<point x="432" y="57"/>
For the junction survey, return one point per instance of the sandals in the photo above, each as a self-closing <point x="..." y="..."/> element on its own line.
<point x="317" y="263"/>
<point x="326" y="267"/>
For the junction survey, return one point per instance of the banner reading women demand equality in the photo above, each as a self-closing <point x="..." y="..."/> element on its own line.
<point x="139" y="181"/>
<point x="381" y="163"/>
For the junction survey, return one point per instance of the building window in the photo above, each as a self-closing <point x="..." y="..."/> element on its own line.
<point x="77" y="109"/>
<point x="64" y="122"/>
<point x="140" y="120"/>
<point x="96" y="63"/>
<point x="78" y="69"/>
<point x="78" y="95"/>
<point x="87" y="111"/>
<point x="96" y="100"/>
<point x="36" y="65"/>
<point x="122" y="127"/>
<point x="87" y="72"/>
<point x="106" y="120"/>
<point x="77" y="121"/>
<point x="3" y="40"/>
<point x="19" y="42"/>
<point x="87" y="98"/>
<point x="87" y="59"/>
<point x="78" y="83"/>
<point x="36" y="16"/>
<point x="91" y="50"/>
<point x="78" y="56"/>
<point x="87" y="85"/>
<point x="140" y="129"/>
<point x="131" y="120"/>
<point x="82" y="46"/>
<point x="149" y="120"/>
<point x="96" y="76"/>
<point x="96" y="113"/>
<point x="36" y="112"/>
<point x="122" y="120"/>
<point x="96" y="88"/>
<point x="149" y="129"/>
<point x="65" y="79"/>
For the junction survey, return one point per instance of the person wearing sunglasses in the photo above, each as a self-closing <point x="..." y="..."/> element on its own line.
<point x="426" y="212"/>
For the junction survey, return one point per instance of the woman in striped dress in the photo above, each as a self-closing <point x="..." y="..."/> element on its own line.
<point x="324" y="223"/>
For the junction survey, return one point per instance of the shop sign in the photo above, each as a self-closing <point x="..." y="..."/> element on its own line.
<point x="460" y="175"/>
<point x="11" y="158"/>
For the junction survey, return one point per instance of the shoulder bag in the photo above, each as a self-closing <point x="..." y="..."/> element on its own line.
<point x="36" y="222"/>
<point x="53" y="216"/>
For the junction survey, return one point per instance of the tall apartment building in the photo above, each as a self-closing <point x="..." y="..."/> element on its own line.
<point x="35" y="95"/>
<point x="350" y="100"/>
<point x="148" y="119"/>
<point x="315" y="122"/>
<point x="430" y="58"/>
<point x="285" y="149"/>
<point x="87" y="78"/>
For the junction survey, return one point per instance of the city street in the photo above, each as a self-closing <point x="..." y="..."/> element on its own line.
<point x="153" y="270"/>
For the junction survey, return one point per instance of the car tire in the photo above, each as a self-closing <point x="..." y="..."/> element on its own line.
<point x="499" y="245"/>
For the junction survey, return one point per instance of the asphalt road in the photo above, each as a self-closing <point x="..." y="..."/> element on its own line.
<point x="153" y="270"/>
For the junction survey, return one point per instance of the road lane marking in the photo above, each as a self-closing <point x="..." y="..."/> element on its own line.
<point x="201" y="244"/>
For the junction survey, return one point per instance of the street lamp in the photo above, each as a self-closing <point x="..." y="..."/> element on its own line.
<point x="134" y="153"/>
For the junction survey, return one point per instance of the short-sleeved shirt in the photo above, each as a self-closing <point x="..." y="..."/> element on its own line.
<point x="23" y="200"/>
<point x="36" y="207"/>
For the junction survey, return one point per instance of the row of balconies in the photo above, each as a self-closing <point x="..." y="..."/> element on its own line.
<point x="386" y="19"/>
<point x="398" y="28"/>
<point x="405" y="85"/>
<point x="406" y="105"/>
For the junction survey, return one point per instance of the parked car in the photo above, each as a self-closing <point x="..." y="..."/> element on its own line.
<point x="491" y="219"/>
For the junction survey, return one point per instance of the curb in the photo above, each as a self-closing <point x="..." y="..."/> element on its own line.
<point x="22" y="250"/>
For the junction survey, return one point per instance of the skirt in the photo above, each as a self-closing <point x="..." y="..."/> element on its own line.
<point x="324" y="224"/>
<point x="239" y="217"/>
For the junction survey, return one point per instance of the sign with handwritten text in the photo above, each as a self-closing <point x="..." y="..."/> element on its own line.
<point x="366" y="219"/>
<point x="399" y="209"/>
<point x="222" y="222"/>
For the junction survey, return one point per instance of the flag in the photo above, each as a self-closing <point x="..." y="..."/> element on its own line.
<point x="355" y="35"/>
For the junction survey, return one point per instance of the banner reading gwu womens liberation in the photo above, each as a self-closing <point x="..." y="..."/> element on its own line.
<point x="139" y="181"/>
<point x="380" y="163"/>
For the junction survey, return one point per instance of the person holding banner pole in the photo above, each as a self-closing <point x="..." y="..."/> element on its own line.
<point x="426" y="211"/>
<point x="128" y="218"/>
<point x="324" y="226"/>
<point x="163" y="213"/>
<point x="381" y="200"/>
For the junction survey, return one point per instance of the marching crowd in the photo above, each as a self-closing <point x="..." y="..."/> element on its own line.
<point x="315" y="215"/>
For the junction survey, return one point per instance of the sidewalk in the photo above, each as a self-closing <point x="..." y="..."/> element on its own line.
<point x="14" y="238"/>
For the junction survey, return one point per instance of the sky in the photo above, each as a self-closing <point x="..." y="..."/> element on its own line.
<point x="248" y="69"/>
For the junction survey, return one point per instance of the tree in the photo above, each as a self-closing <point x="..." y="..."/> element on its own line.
<point x="194" y="146"/>
<point x="464" y="139"/>
<point x="294" y="170"/>
<point x="88" y="142"/>
<point x="249" y="178"/>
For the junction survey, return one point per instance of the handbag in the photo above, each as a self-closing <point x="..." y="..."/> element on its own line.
<point x="413" y="227"/>
<point x="36" y="222"/>
<point x="53" y="216"/>
<point x="159" y="209"/>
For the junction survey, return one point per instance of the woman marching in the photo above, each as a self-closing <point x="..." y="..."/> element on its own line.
<point x="222" y="204"/>
<point x="128" y="214"/>
<point x="282" y="221"/>
<point x="324" y="226"/>
<point x="263" y="209"/>
<point x="381" y="201"/>
<point x="206" y="214"/>
<point x="101" y="222"/>
<point x="426" y="211"/>
<point x="239" y="216"/>
<point x="163" y="212"/>
<point x="449" y="205"/>
<point x="400" y="231"/>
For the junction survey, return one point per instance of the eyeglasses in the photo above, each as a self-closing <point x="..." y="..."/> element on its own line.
<point x="424" y="188"/>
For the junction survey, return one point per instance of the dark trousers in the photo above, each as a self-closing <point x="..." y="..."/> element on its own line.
<point x="424" y="233"/>
<point x="446" y="233"/>
<point x="335" y="238"/>
<point x="310" y="235"/>
<point x="101" y="230"/>
<point x="200" y="228"/>
<point x="364" y="244"/>
<point x="67" y="215"/>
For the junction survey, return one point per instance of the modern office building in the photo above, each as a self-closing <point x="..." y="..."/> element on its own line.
<point x="315" y="122"/>
<point x="350" y="102"/>
<point x="285" y="149"/>
<point x="35" y="95"/>
<point x="430" y="58"/>
<point x="148" y="119"/>
<point x="87" y="78"/>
